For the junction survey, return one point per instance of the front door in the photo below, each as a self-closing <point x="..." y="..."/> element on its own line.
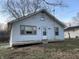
<point x="44" y="33"/>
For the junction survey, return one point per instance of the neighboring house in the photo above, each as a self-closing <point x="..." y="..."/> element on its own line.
<point x="36" y="27"/>
<point x="72" y="32"/>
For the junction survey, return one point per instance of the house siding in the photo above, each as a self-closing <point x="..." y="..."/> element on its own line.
<point x="35" y="21"/>
<point x="73" y="33"/>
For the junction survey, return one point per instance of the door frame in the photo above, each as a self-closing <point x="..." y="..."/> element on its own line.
<point x="44" y="34"/>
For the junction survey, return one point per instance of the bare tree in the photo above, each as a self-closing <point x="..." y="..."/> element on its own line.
<point x="3" y="27"/>
<point x="19" y="8"/>
<point x="76" y="19"/>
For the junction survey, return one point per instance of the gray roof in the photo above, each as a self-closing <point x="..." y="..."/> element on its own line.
<point x="40" y="11"/>
<point x="71" y="28"/>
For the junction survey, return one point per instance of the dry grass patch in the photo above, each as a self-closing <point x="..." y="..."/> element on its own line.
<point x="65" y="50"/>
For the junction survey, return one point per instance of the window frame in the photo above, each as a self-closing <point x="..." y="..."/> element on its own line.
<point x="25" y="31"/>
<point x="56" y="29"/>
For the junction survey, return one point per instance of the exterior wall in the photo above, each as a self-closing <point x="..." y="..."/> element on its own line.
<point x="16" y="37"/>
<point x="73" y="33"/>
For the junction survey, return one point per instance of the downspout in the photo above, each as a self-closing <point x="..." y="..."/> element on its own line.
<point x="54" y="31"/>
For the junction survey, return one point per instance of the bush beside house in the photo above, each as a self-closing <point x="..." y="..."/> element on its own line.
<point x="4" y="36"/>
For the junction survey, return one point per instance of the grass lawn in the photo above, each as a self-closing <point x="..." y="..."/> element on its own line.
<point x="69" y="49"/>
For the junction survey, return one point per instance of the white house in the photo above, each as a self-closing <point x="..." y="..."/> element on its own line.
<point x="72" y="32"/>
<point x="36" y="27"/>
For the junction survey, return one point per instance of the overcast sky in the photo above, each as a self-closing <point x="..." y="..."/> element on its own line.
<point x="63" y="14"/>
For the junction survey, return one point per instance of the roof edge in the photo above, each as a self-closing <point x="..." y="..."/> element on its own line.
<point x="41" y="10"/>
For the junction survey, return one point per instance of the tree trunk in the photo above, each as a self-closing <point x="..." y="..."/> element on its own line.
<point x="69" y="35"/>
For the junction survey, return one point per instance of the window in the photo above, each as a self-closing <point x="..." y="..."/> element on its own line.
<point x="56" y="31"/>
<point x="28" y="30"/>
<point x="42" y="19"/>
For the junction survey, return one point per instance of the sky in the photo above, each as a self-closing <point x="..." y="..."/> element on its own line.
<point x="64" y="14"/>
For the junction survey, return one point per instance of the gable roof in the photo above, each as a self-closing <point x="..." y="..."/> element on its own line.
<point x="71" y="28"/>
<point x="40" y="11"/>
